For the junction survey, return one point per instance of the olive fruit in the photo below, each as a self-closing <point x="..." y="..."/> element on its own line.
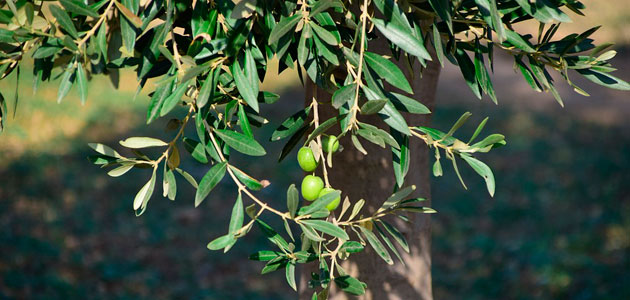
<point x="330" y="144"/>
<point x="332" y="205"/>
<point x="311" y="186"/>
<point x="306" y="159"/>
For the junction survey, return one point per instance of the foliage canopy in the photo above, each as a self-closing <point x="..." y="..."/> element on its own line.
<point x="209" y="57"/>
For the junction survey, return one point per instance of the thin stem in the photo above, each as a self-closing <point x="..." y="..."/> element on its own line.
<point x="171" y="144"/>
<point x="357" y="78"/>
<point x="241" y="187"/>
<point x="176" y="53"/>
<point x="97" y="25"/>
<point x="314" y="104"/>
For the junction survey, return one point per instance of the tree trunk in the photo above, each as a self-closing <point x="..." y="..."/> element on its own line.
<point x="371" y="177"/>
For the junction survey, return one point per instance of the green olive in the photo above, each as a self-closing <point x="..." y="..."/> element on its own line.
<point x="330" y="144"/>
<point x="311" y="186"/>
<point x="332" y="205"/>
<point x="306" y="159"/>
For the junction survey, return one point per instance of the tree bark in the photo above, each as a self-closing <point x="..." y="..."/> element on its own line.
<point x="371" y="177"/>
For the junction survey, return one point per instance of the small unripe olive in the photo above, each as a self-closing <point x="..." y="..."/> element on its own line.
<point x="330" y="144"/>
<point x="306" y="159"/>
<point x="332" y="205"/>
<point x="311" y="186"/>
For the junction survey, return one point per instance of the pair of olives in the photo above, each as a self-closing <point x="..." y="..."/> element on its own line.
<point x="306" y="158"/>
<point x="313" y="186"/>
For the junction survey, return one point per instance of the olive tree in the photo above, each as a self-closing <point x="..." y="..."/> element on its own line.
<point x="370" y="69"/>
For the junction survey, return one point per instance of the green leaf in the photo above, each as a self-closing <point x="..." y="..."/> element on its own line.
<point x="389" y="243"/>
<point x="103" y="149"/>
<point x="392" y="11"/>
<point x="483" y="170"/>
<point x="319" y="203"/>
<point x="268" y="97"/>
<point x="101" y="38"/>
<point x="343" y="95"/>
<point x="209" y="181"/>
<point x="437" y="44"/>
<point x="490" y="140"/>
<point x="248" y="91"/>
<point x="272" y="235"/>
<point x="478" y="130"/>
<point x="265" y="255"/>
<point x="443" y="9"/>
<point x="437" y="168"/>
<point x="351" y="247"/>
<point x="292" y="142"/>
<point x="350" y="285"/>
<point x="129" y="15"/>
<point x="293" y="199"/>
<point x="388" y="71"/>
<point x="324" y="34"/>
<point x="326" y="51"/>
<point x="173" y="99"/>
<point x="323" y="5"/>
<point x="396" y="234"/>
<point x="310" y="233"/>
<point x="396" y="197"/>
<point x="221" y="242"/>
<point x="390" y="115"/>
<point x="206" y="93"/>
<point x="402" y="38"/>
<point x="528" y="75"/>
<point x="188" y="177"/>
<point x="78" y="7"/>
<point x="200" y="20"/>
<point x="462" y="119"/>
<point x="45" y="51"/>
<point x="128" y="25"/>
<point x="241" y="142"/>
<point x="144" y="194"/>
<point x="283" y="27"/>
<point x="468" y="71"/>
<point x="400" y="157"/>
<point x="482" y="75"/>
<point x="291" y="125"/>
<point x="275" y="264"/>
<point x="407" y="104"/>
<point x="238" y="213"/>
<point x="247" y="180"/>
<point x="386" y="137"/>
<point x="327" y="227"/>
<point x="196" y="150"/>
<point x="142" y="142"/>
<point x="66" y="83"/>
<point x="518" y="41"/>
<point x="169" y="179"/>
<point x="82" y="82"/>
<point x="303" y="47"/>
<point x="543" y="11"/>
<point x="604" y="79"/>
<point x="63" y="19"/>
<point x="162" y="92"/>
<point x="290" y="275"/>
<point x="437" y="135"/>
<point x="490" y="13"/>
<point x="120" y="170"/>
<point x="376" y="245"/>
<point x="321" y="129"/>
<point x="243" y="121"/>
<point x="373" y="106"/>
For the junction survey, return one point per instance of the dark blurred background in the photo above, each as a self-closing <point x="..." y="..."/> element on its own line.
<point x="558" y="227"/>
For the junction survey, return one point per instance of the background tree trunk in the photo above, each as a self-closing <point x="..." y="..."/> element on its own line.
<point x="371" y="178"/>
